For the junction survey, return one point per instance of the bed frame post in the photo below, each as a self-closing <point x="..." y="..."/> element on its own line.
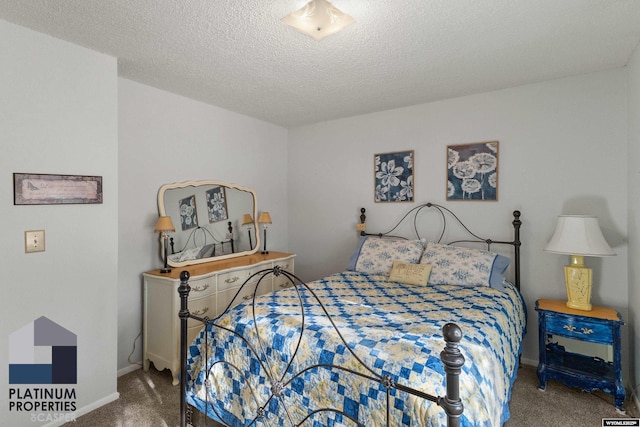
<point x="183" y="290"/>
<point x="453" y="360"/>
<point x="516" y="245"/>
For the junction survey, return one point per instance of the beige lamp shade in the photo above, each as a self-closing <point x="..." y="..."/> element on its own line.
<point x="164" y="224"/>
<point x="318" y="19"/>
<point x="578" y="235"/>
<point x="246" y="219"/>
<point x="265" y="218"/>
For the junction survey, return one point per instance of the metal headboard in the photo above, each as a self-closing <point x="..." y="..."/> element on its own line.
<point x="444" y="212"/>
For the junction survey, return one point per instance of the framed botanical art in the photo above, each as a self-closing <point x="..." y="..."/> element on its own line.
<point x="393" y="176"/>
<point x="472" y="171"/>
<point x="188" y="213"/>
<point x="216" y="204"/>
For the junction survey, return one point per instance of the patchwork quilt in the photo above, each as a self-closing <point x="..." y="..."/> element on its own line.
<point x="283" y="372"/>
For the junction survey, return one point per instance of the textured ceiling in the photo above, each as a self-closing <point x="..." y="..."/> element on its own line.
<point x="236" y="54"/>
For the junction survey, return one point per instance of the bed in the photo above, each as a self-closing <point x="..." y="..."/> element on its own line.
<point x="413" y="333"/>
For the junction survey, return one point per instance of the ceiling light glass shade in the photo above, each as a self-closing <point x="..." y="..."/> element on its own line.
<point x="318" y="19"/>
<point x="579" y="235"/>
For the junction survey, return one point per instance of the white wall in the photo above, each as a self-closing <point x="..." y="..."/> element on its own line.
<point x="562" y="150"/>
<point x="633" y="94"/>
<point x="58" y="115"/>
<point x="165" y="138"/>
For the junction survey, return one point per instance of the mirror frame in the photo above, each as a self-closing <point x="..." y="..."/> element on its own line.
<point x="176" y="185"/>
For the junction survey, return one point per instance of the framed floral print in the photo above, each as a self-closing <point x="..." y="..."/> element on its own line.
<point x="393" y="176"/>
<point x="216" y="204"/>
<point x="472" y="171"/>
<point x="188" y="213"/>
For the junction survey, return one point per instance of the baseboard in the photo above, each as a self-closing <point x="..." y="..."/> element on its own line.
<point x="86" y="409"/>
<point x="530" y="362"/>
<point x="129" y="369"/>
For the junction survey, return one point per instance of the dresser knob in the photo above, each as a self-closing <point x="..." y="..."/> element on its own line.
<point x="200" y="289"/>
<point x="232" y="279"/>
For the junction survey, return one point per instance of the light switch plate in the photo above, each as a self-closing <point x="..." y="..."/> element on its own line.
<point x="33" y="241"/>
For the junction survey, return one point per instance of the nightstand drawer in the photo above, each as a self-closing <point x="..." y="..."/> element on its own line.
<point x="575" y="327"/>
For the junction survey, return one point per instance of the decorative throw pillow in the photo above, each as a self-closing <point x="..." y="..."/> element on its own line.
<point x="455" y="265"/>
<point x="411" y="274"/>
<point x="375" y="255"/>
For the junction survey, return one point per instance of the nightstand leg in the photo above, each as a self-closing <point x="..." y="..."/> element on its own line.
<point x="542" y="377"/>
<point x="619" y="397"/>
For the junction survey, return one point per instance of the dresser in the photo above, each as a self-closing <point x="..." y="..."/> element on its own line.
<point x="213" y="286"/>
<point x="601" y="325"/>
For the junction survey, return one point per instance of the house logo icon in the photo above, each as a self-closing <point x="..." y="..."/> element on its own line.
<point x="43" y="352"/>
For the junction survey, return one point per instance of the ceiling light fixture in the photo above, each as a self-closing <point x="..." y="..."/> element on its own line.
<point x="318" y="19"/>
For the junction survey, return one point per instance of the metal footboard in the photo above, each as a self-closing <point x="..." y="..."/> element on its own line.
<point x="451" y="358"/>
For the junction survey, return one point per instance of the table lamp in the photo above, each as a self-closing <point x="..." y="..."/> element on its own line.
<point x="248" y="221"/>
<point x="265" y="220"/>
<point x="164" y="226"/>
<point x="578" y="236"/>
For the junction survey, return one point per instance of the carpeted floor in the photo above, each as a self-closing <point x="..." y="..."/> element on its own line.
<point x="149" y="399"/>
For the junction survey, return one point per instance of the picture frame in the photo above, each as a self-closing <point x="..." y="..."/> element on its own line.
<point x="216" y="204"/>
<point x="472" y="171"/>
<point x="52" y="189"/>
<point x="393" y="176"/>
<point x="188" y="212"/>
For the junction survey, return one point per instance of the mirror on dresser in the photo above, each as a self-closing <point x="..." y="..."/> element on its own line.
<point x="213" y="220"/>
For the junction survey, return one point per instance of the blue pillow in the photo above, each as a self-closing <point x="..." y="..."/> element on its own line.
<point x="353" y="259"/>
<point x="500" y="265"/>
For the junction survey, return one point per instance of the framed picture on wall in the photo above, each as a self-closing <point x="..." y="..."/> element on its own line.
<point x="393" y="176"/>
<point x="188" y="213"/>
<point x="472" y="171"/>
<point x="216" y="204"/>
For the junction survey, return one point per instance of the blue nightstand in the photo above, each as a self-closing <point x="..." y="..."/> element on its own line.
<point x="601" y="325"/>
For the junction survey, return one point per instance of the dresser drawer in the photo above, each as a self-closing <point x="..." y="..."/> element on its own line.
<point x="202" y="307"/>
<point x="580" y="328"/>
<point x="285" y="264"/>
<point x="232" y="279"/>
<point x="202" y="287"/>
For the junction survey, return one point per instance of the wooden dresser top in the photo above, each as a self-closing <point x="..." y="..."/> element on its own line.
<point x="223" y="264"/>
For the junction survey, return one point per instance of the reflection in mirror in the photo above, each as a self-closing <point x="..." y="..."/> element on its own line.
<point x="210" y="218"/>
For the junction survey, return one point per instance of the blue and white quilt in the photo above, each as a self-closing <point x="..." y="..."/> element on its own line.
<point x="395" y="329"/>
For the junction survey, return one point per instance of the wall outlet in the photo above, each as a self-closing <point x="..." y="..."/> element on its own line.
<point x="33" y="241"/>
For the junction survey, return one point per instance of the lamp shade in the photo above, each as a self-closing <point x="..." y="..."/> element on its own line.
<point x="318" y="19"/>
<point x="164" y="224"/>
<point x="246" y="219"/>
<point x="265" y="218"/>
<point x="579" y="235"/>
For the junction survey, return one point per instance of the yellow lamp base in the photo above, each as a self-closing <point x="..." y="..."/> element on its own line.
<point x="578" y="280"/>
